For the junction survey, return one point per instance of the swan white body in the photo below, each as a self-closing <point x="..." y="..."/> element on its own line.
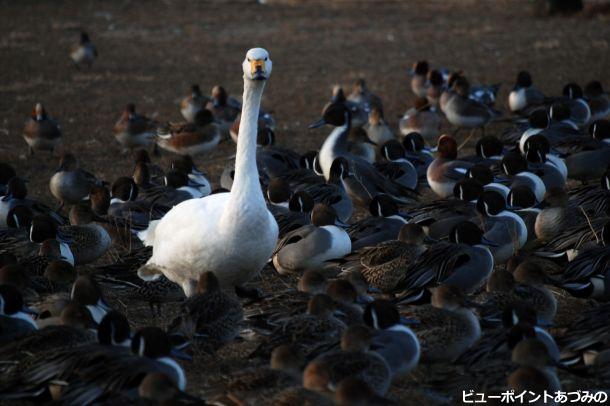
<point x="231" y="234"/>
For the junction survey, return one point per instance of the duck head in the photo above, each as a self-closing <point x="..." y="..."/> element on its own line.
<point x="381" y="314"/>
<point x="447" y="147"/>
<point x="114" y="329"/>
<point x="257" y="65"/>
<point x="521" y="197"/>
<point x="539" y="119"/>
<point x="301" y="202"/>
<point x="572" y="91"/>
<point x="600" y="130"/>
<point x="524" y="80"/>
<point x="413" y="142"/>
<point x="336" y="114"/>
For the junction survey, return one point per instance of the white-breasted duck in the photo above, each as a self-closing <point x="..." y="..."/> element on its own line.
<point x="191" y="138"/>
<point x="84" y="52"/>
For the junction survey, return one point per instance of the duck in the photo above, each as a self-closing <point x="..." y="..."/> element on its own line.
<point x="360" y="145"/>
<point x="506" y="229"/>
<point x="41" y="132"/>
<point x="556" y="216"/>
<point x="436" y="86"/>
<point x="17" y="195"/>
<point x="335" y="146"/>
<point x="284" y="371"/>
<point x="588" y="332"/>
<point x="224" y="107"/>
<point x="87" y="292"/>
<point x="297" y="215"/>
<point x="382" y="265"/>
<point x="352" y="391"/>
<point x="422" y="120"/>
<point x="70" y="184"/>
<point x="133" y="130"/>
<point x="598" y="100"/>
<point x="580" y="113"/>
<point x="76" y="328"/>
<point x="445" y="170"/>
<point x="522" y="201"/>
<point x="355" y="359"/>
<point x="196" y="178"/>
<point x="464" y="112"/>
<point x="88" y="239"/>
<point x="515" y="170"/>
<point x="210" y="314"/>
<point x="186" y="242"/>
<point x="586" y="275"/>
<point x="362" y="95"/>
<point x="447" y="327"/>
<point x="419" y="80"/>
<point x="310" y="332"/>
<point x="525" y="285"/>
<point x="593" y="198"/>
<point x="396" y="343"/>
<point x="83" y="53"/>
<point x="310" y="246"/>
<point x="398" y="167"/>
<point x="15" y="318"/>
<point x="376" y="128"/>
<point x="193" y="103"/>
<point x="417" y="152"/>
<point x="591" y="164"/>
<point x="190" y="138"/>
<point x="524" y="95"/>
<point x="384" y="224"/>
<point x="464" y="262"/>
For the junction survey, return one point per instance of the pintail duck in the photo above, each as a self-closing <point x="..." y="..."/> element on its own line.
<point x="506" y="229"/>
<point x="436" y="86"/>
<point x="580" y="113"/>
<point x="445" y="170"/>
<point x="297" y="215"/>
<point x="377" y="129"/>
<point x="87" y="292"/>
<point x="14" y="317"/>
<point x="210" y="314"/>
<point x="419" y="80"/>
<point x="362" y="95"/>
<point x="75" y="329"/>
<point x="549" y="167"/>
<point x="463" y="262"/>
<point x="570" y="240"/>
<point x="83" y="53"/>
<point x="447" y="327"/>
<point x="591" y="164"/>
<point x="224" y="107"/>
<point x="40" y="131"/>
<point x="34" y="376"/>
<point x="557" y="216"/>
<point x="278" y="195"/>
<point x="526" y="285"/>
<point x="369" y="180"/>
<point x="88" y="239"/>
<point x="194" y="138"/>
<point x="71" y="184"/>
<point x="358" y="113"/>
<point x="310" y="246"/>
<point x="17" y="195"/>
<point x="593" y="198"/>
<point x="196" y="178"/>
<point x="515" y="170"/>
<point x="134" y="130"/>
<point x="309" y="332"/>
<point x="187" y="229"/>
<point x="587" y="274"/>
<point x="598" y="100"/>
<point x="524" y="95"/>
<point x="244" y="387"/>
<point x="384" y="224"/>
<point x="355" y="359"/>
<point x="382" y="265"/>
<point x="393" y="341"/>
<point x="266" y="129"/>
<point x="522" y="201"/>
<point x="193" y="103"/>
<point x="398" y="168"/>
<point x="463" y="112"/>
<point x="588" y="332"/>
<point x="417" y="152"/>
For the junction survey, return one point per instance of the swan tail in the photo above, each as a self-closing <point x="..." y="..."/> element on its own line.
<point x="148" y="236"/>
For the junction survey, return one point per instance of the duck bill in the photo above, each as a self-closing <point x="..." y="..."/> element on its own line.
<point x="27" y="310"/>
<point x="180" y="354"/>
<point x="317" y="124"/>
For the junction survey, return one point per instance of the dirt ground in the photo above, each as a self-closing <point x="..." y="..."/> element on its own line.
<point x="151" y="52"/>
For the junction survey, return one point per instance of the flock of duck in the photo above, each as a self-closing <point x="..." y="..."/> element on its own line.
<point x="462" y="259"/>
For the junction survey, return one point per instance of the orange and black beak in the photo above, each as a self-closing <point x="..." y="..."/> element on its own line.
<point x="257" y="69"/>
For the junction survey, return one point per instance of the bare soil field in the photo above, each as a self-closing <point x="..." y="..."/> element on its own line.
<point x="150" y="53"/>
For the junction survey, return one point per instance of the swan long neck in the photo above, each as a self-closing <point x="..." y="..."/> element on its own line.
<point x="246" y="188"/>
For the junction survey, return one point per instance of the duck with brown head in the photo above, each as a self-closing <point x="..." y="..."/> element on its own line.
<point x="40" y="131"/>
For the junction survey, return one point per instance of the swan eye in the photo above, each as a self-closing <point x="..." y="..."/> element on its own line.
<point x="249" y="60"/>
<point x="266" y="58"/>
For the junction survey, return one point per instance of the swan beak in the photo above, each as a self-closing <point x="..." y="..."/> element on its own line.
<point x="257" y="69"/>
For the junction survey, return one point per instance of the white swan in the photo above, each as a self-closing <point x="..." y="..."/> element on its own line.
<point x="231" y="234"/>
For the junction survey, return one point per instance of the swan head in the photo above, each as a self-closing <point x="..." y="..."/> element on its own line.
<point x="257" y="65"/>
